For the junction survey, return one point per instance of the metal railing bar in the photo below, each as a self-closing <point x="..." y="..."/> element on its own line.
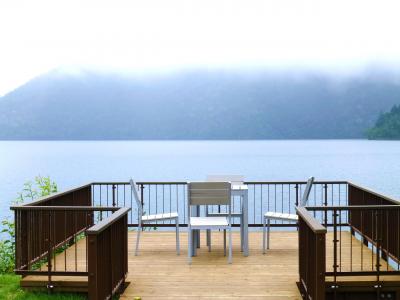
<point x="362" y="273"/>
<point x="53" y="273"/>
<point x="245" y="182"/>
<point x="253" y="225"/>
<point x="352" y="207"/>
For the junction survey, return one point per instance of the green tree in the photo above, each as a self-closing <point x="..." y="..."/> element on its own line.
<point x="387" y="126"/>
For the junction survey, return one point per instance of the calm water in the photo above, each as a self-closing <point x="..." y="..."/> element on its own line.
<point x="375" y="164"/>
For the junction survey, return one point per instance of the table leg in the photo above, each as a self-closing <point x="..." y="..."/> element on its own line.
<point x="198" y="231"/>
<point x="245" y="225"/>
<point x="195" y="212"/>
<point x="241" y="232"/>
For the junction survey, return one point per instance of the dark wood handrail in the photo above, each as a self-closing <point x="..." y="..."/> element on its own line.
<point x="313" y="223"/>
<point x="395" y="201"/>
<point x="55" y="195"/>
<point x="64" y="208"/>
<point x="105" y="223"/>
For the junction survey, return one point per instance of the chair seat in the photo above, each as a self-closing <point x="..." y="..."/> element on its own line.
<point x="280" y="216"/>
<point x="166" y="216"/>
<point x="209" y="222"/>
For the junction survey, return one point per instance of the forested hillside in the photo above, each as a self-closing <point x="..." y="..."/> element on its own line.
<point x="194" y="105"/>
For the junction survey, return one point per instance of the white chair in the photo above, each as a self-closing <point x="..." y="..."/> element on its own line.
<point x="152" y="218"/>
<point x="234" y="180"/>
<point x="208" y="193"/>
<point x="271" y="215"/>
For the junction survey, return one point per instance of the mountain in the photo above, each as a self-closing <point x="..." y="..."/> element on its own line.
<point x="196" y="104"/>
<point x="387" y="126"/>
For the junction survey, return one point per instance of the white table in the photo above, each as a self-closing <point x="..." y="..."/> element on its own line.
<point x="240" y="190"/>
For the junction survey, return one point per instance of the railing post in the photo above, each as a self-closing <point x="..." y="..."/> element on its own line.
<point x="113" y="195"/>
<point x="107" y="255"/>
<point x="142" y="193"/>
<point x="312" y="256"/>
<point x="379" y="223"/>
<point x="297" y="194"/>
<point x="320" y="267"/>
<point x="93" y="290"/>
<point x="335" y="241"/>
<point x="49" y="255"/>
<point x="142" y="198"/>
<point x="16" y="241"/>
<point x="24" y="245"/>
<point x="326" y="204"/>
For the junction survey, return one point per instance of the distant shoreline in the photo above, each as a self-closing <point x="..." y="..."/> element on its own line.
<point x="188" y="140"/>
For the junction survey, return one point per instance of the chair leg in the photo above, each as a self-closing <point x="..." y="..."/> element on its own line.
<point x="190" y="246"/>
<point x="195" y="241"/>
<point x="230" y="246"/>
<point x="178" y="250"/>
<point x="139" y="229"/>
<point x="209" y="240"/>
<point x="241" y="234"/>
<point x="224" y="242"/>
<point x="264" y="229"/>
<point x="268" y="232"/>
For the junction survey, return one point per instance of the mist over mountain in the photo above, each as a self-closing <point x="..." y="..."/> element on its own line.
<point x="196" y="104"/>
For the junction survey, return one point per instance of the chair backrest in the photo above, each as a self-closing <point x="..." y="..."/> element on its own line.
<point x="306" y="194"/>
<point x="135" y="194"/>
<point x="209" y="193"/>
<point x="234" y="179"/>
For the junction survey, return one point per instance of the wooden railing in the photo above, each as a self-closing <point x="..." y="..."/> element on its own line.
<point x="56" y="223"/>
<point x="42" y="232"/>
<point x="366" y="224"/>
<point x="311" y="256"/>
<point x="369" y="250"/>
<point x="108" y="255"/>
<point x="50" y="229"/>
<point x="35" y="224"/>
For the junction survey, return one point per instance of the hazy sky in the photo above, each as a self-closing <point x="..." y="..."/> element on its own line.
<point x="335" y="35"/>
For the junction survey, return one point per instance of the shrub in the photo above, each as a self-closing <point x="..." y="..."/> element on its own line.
<point x="41" y="187"/>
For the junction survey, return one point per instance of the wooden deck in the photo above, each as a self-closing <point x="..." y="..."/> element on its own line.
<point x="158" y="273"/>
<point x="162" y="274"/>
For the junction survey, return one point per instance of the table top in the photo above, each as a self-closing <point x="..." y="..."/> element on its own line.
<point x="239" y="187"/>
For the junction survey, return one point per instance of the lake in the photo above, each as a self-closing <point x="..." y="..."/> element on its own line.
<point x="375" y="164"/>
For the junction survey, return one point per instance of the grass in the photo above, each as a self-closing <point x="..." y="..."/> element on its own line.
<point x="10" y="290"/>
